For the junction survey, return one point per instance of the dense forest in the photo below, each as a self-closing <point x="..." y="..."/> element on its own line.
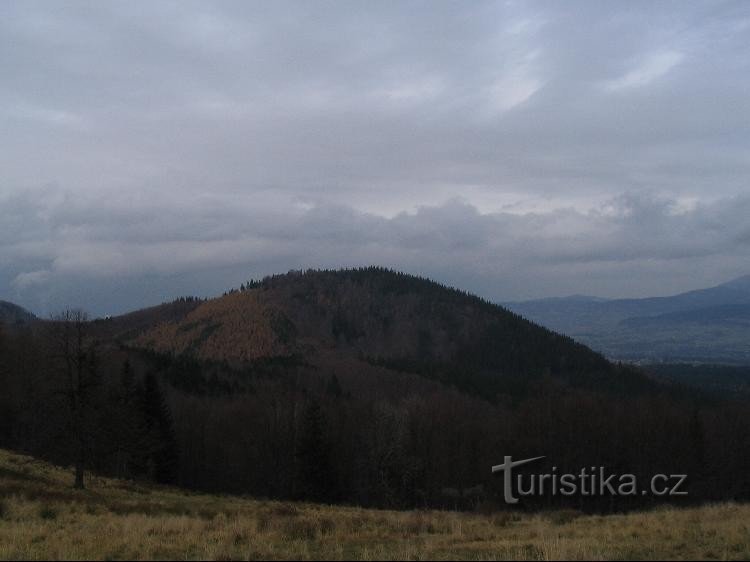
<point x="365" y="386"/>
<point x="727" y="381"/>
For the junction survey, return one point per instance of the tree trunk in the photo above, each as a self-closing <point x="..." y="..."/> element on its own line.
<point x="79" y="485"/>
<point x="80" y="461"/>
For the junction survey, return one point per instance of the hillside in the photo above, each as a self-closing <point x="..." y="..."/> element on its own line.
<point x="376" y="317"/>
<point x="360" y="386"/>
<point x="134" y="323"/>
<point x="12" y="314"/>
<point x="703" y="325"/>
<point x="729" y="381"/>
<point x="41" y="517"/>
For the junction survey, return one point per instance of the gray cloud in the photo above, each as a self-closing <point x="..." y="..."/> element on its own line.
<point x="517" y="149"/>
<point x="629" y="242"/>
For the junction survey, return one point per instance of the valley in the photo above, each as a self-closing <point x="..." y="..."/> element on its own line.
<point x="703" y="326"/>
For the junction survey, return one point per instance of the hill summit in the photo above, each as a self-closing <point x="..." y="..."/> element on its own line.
<point x="374" y="316"/>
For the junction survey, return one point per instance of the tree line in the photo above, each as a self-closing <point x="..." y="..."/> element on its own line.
<point x="288" y="430"/>
<point x="63" y="401"/>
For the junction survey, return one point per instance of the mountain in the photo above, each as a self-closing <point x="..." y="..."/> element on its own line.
<point x="357" y="321"/>
<point x="738" y="313"/>
<point x="12" y="314"/>
<point x="703" y="325"/>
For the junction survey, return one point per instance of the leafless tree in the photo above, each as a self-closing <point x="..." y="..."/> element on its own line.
<point x="73" y="353"/>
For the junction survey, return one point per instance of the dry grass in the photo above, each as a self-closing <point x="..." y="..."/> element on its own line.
<point x="41" y="517"/>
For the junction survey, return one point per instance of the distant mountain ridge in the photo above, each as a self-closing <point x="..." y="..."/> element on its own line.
<point x="12" y="314"/>
<point x="741" y="283"/>
<point x="702" y="325"/>
<point x="724" y="312"/>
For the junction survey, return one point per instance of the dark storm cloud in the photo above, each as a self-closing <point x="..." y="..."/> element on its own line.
<point x="516" y="149"/>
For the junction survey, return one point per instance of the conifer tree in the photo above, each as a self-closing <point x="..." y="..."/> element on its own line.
<point x="126" y="424"/>
<point x="314" y="458"/>
<point x="161" y="440"/>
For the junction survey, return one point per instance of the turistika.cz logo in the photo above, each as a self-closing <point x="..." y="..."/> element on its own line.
<point x="590" y="481"/>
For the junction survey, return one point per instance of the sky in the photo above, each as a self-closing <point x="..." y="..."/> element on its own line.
<point x="518" y="150"/>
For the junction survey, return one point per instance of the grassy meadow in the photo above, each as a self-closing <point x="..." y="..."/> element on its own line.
<point x="42" y="517"/>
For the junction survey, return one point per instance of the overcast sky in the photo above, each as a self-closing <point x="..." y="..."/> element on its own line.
<point x="516" y="149"/>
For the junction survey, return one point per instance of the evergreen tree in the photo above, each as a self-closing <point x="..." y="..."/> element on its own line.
<point x="161" y="442"/>
<point x="127" y="430"/>
<point x="333" y="388"/>
<point x="6" y="412"/>
<point x="314" y="458"/>
<point x="698" y="447"/>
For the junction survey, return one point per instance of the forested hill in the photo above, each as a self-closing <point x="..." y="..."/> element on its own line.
<point x="360" y="386"/>
<point x="12" y="314"/>
<point x="379" y="317"/>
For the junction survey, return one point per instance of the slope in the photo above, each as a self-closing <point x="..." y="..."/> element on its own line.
<point x="14" y="315"/>
<point x="41" y="517"/>
<point x="379" y="317"/>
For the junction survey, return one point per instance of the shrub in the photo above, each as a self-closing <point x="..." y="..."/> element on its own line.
<point x="48" y="513"/>
<point x="503" y="519"/>
<point x="286" y="510"/>
<point x="93" y="509"/>
<point x="206" y="514"/>
<point x="356" y="523"/>
<point x="300" y="529"/>
<point x="327" y="526"/>
<point x="418" y="523"/>
<point x="263" y="524"/>
<point x="563" y="516"/>
<point x="4" y="510"/>
<point x="487" y="507"/>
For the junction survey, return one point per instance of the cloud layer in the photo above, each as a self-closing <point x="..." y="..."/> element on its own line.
<point x="71" y="247"/>
<point x="515" y="149"/>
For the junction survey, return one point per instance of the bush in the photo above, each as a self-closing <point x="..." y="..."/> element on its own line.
<point x="286" y="510"/>
<point x="487" y="507"/>
<point x="563" y="516"/>
<point x="418" y="524"/>
<point x="4" y="510"/>
<point x="93" y="509"/>
<point x="263" y="524"/>
<point x="503" y="518"/>
<point x="327" y="526"/>
<point x="300" y="529"/>
<point x="47" y="513"/>
<point x="357" y="523"/>
<point x="207" y="514"/>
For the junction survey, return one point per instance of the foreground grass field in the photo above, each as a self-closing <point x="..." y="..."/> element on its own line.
<point x="41" y="517"/>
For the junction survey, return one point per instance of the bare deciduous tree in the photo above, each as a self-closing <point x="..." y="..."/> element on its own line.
<point x="73" y="352"/>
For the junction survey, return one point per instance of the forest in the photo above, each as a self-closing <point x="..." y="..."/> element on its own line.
<point x="414" y="430"/>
